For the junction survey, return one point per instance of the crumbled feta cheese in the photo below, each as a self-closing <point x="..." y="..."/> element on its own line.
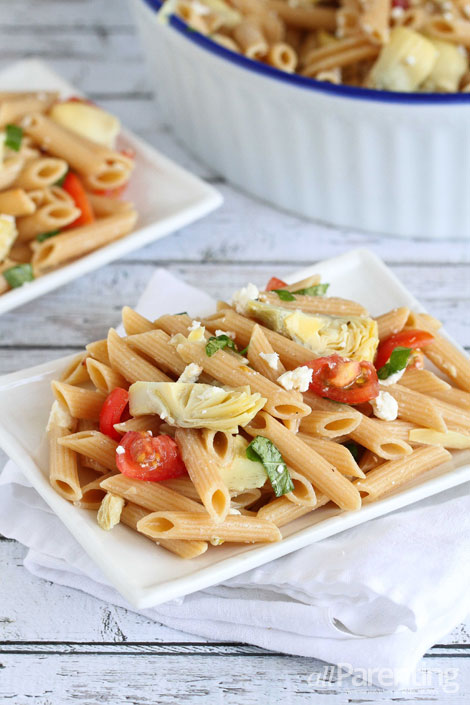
<point x="271" y="358"/>
<point x="26" y="121"/>
<point x="241" y="298"/>
<point x="234" y="511"/>
<point x="59" y="416"/>
<point x="194" y="325"/>
<point x="410" y="60"/>
<point x="228" y="333"/>
<point x="120" y="450"/>
<point x="385" y="407"/>
<point x="393" y="379"/>
<point x="466" y="10"/>
<point x="298" y="379"/>
<point x="397" y="13"/>
<point x="190" y="374"/>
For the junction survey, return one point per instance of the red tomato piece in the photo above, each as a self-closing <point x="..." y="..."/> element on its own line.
<point x="74" y="188"/>
<point x="275" y="283"/>
<point x="111" y="192"/>
<point x="343" y="380"/>
<point x="112" y="412"/>
<point x="405" y="339"/>
<point x="404" y="4"/>
<point x="145" y="457"/>
<point x="78" y="99"/>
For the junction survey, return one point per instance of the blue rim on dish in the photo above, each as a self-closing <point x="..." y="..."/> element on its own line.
<point x="310" y="83"/>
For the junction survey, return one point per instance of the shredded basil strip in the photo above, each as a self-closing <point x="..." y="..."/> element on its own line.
<point x="218" y="343"/>
<point x="244" y="351"/>
<point x="46" y="236"/>
<point x="284" y="295"/>
<point x="13" y="137"/>
<point x="398" y="361"/>
<point x="317" y="290"/>
<point x="264" y="451"/>
<point x="18" y="275"/>
<point x="181" y="313"/>
<point x="354" y="449"/>
<point x="60" y="182"/>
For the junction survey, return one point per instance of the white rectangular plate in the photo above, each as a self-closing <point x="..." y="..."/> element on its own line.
<point x="148" y="575"/>
<point x="166" y="196"/>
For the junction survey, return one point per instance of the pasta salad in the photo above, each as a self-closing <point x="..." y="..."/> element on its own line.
<point x="197" y="432"/>
<point x="394" y="45"/>
<point x="61" y="178"/>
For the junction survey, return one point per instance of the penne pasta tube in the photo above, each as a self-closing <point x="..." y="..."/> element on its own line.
<point x="184" y="525"/>
<point x="371" y="434"/>
<point x="281" y="511"/>
<point x="343" y="52"/>
<point x="423" y="381"/>
<point x="132" y="514"/>
<point x="392" y="322"/>
<point x="92" y="493"/>
<point x="241" y="500"/>
<point x="417" y="408"/>
<point x="76" y="372"/>
<point x="150" y="495"/>
<point x="282" y="56"/>
<point x="11" y="167"/>
<point x="16" y="202"/>
<point x="142" y="423"/>
<point x="449" y="30"/>
<point x="423" y="321"/>
<point x="375" y="20"/>
<point x="303" y="492"/>
<point x="45" y="219"/>
<point x="14" y="106"/>
<point x="134" y="323"/>
<point x="20" y="252"/>
<point x="369" y="461"/>
<point x="104" y="377"/>
<point x="204" y="474"/>
<point x="230" y="369"/>
<point x="104" y="206"/>
<point x="306" y="461"/>
<point x="449" y="360"/>
<point x="93" y="444"/>
<point x="183" y="485"/>
<point x="40" y="173"/>
<point x="63" y="468"/>
<point x="334" y="453"/>
<point x="99" y="351"/>
<point x="251" y="39"/>
<point x="79" y="241"/>
<point x="129" y="364"/>
<point x="174" y="324"/>
<point x="330" y="305"/>
<point x="304" y="17"/>
<point x="330" y="424"/>
<point x="262" y="357"/>
<point x="81" y="403"/>
<point x="389" y="476"/>
<point x="219" y="445"/>
<point x="155" y="344"/>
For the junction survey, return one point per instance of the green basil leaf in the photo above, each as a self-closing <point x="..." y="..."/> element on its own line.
<point x="219" y="343"/>
<point x="181" y="313"/>
<point x="264" y="451"/>
<point x="244" y="351"/>
<point x="317" y="290"/>
<point x="60" y="182"/>
<point x="13" y="137"/>
<point x="354" y="449"/>
<point x="46" y="236"/>
<point x="18" y="275"/>
<point x="398" y="361"/>
<point x="284" y="295"/>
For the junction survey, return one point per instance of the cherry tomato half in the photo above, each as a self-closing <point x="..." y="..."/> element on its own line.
<point x="275" y="283"/>
<point x="145" y="457"/>
<point x="112" y="411"/>
<point x="75" y="189"/>
<point x="405" y="339"/>
<point x="340" y="379"/>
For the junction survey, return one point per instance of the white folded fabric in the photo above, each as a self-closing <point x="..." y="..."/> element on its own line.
<point x="372" y="598"/>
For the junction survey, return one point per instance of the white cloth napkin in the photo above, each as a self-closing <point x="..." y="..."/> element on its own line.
<point x="371" y="599"/>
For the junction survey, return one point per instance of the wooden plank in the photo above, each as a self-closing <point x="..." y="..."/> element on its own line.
<point x="73" y="13"/>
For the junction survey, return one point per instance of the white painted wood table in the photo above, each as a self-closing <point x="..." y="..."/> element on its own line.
<point x="58" y="645"/>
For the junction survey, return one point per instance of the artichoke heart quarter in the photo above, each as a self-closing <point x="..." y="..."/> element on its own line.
<point x="193" y="405"/>
<point x="354" y="337"/>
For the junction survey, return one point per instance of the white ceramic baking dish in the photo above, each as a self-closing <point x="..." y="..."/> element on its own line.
<point x="393" y="163"/>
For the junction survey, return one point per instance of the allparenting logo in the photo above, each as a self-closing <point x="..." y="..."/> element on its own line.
<point x="445" y="679"/>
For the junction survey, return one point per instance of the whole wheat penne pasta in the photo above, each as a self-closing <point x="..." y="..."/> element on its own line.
<point x="330" y="424"/>
<point x="14" y="106"/>
<point x="150" y="495"/>
<point x="16" y="202"/>
<point x="262" y="357"/>
<point x="229" y="369"/>
<point x="450" y="30"/>
<point x="183" y="485"/>
<point x="104" y="377"/>
<point x="219" y="445"/>
<point x="105" y="205"/>
<point x="417" y="408"/>
<point x="184" y="525"/>
<point x="174" y="324"/>
<point x="193" y="18"/>
<point x="389" y="476"/>
<point x="134" y="323"/>
<point x="392" y="322"/>
<point x="226" y="42"/>
<point x="330" y="305"/>
<point x="93" y="444"/>
<point x="132" y="513"/>
<point x="369" y="461"/>
<point x="303" y="492"/>
<point x="449" y="360"/>
<point x="99" y="351"/>
<point x="76" y="372"/>
<point x="52" y="216"/>
<point x="304" y="17"/>
<point x="92" y="493"/>
<point x="40" y="173"/>
<point x="51" y="194"/>
<point x="63" y="468"/>
<point x="455" y="417"/>
<point x="306" y="461"/>
<point x="11" y="167"/>
<point x="375" y="19"/>
<point x="81" y="403"/>
<point x="370" y="434"/>
<point x="141" y="423"/>
<point x="399" y="429"/>
<point x="423" y="381"/>
<point x="423" y="321"/>
<point x="334" y="453"/>
<point x="155" y="344"/>
<point x="91" y="464"/>
<point x="456" y="397"/>
<point x="20" y="252"/>
<point x="241" y="500"/>
<point x="79" y="241"/>
<point x="281" y="512"/>
<point x="282" y="56"/>
<point x="204" y="473"/>
<point x="250" y="39"/>
<point x="342" y="59"/>
<point x="130" y="364"/>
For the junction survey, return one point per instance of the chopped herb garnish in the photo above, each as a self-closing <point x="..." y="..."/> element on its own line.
<point x="354" y="449"/>
<point x="181" y="313"/>
<point x="262" y="450"/>
<point x="18" y="275"/>
<point x="317" y="290"/>
<point x="284" y="294"/>
<point x="60" y="182"/>
<point x="398" y="361"/>
<point x="219" y="343"/>
<point x="13" y="137"/>
<point x="244" y="351"/>
<point x="46" y="236"/>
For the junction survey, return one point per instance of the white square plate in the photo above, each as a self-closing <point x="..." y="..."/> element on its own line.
<point x="148" y="575"/>
<point x="166" y="196"/>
